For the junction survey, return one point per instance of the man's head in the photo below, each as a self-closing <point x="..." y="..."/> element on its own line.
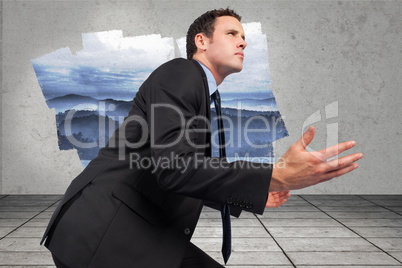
<point x="217" y="40"/>
<point x="205" y="24"/>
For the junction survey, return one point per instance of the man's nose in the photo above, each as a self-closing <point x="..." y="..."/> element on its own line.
<point x="242" y="44"/>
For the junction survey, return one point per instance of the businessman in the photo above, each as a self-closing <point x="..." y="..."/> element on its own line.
<point x="117" y="213"/>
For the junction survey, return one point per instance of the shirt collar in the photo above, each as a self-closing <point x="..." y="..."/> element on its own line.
<point x="210" y="78"/>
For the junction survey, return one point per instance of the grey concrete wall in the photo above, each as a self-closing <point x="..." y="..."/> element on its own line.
<point x="343" y="55"/>
<point x="1" y="90"/>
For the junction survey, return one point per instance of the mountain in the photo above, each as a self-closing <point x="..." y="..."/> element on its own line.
<point x="81" y="103"/>
<point x="88" y="126"/>
<point x="247" y="113"/>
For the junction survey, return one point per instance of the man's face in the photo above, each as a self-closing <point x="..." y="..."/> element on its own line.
<point x="225" y="48"/>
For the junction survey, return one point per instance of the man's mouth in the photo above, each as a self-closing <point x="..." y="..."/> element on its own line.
<point x="241" y="54"/>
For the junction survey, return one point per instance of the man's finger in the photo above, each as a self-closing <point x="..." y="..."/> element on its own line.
<point x="283" y="193"/>
<point x="336" y="149"/>
<point x="307" y="137"/>
<point x="343" y="161"/>
<point x="338" y="172"/>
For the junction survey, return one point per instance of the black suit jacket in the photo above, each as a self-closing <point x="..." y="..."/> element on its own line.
<point x="128" y="210"/>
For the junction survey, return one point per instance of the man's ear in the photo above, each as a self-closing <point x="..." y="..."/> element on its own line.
<point x="201" y="41"/>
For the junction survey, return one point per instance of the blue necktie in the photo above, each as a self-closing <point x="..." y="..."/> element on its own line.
<point x="225" y="209"/>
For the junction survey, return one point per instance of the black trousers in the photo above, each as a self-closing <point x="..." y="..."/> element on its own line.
<point x="194" y="257"/>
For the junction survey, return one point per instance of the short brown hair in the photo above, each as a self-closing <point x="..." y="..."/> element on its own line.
<point x="205" y="24"/>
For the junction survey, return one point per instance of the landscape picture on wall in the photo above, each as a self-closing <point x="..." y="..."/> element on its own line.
<point x="92" y="90"/>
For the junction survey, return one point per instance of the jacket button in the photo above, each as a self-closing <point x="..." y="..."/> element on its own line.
<point x="187" y="231"/>
<point x="236" y="202"/>
<point x="229" y="200"/>
<point x="242" y="204"/>
<point x="249" y="205"/>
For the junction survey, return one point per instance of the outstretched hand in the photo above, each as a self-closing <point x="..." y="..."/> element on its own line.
<point x="298" y="168"/>
<point x="277" y="199"/>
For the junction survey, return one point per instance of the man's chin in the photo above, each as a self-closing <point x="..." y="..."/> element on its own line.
<point x="236" y="69"/>
<point x="239" y="69"/>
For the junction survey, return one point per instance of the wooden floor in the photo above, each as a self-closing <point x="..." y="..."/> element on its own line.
<point x="308" y="231"/>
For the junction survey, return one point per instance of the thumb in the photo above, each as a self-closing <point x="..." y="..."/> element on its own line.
<point x="307" y="137"/>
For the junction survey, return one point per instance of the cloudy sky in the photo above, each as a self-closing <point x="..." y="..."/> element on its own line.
<point x="113" y="66"/>
<point x="108" y="66"/>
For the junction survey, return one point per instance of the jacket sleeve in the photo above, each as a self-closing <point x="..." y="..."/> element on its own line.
<point x="173" y="113"/>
